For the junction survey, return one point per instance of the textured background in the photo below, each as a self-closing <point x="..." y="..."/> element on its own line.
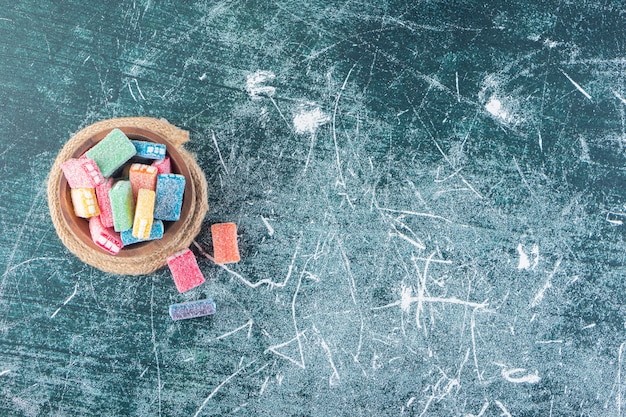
<point x="430" y="200"/>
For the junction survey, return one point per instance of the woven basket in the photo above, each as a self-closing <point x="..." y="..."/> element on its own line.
<point x="140" y="258"/>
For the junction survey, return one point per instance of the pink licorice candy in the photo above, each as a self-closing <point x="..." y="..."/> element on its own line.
<point x="82" y="173"/>
<point x="107" y="239"/>
<point x="102" y="194"/>
<point x="163" y="166"/>
<point x="185" y="270"/>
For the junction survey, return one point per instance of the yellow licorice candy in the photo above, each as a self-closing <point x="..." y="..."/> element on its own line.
<point x="144" y="213"/>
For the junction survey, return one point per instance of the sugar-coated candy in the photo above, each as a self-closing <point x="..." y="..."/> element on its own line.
<point x="156" y="232"/>
<point x="185" y="270"/>
<point x="144" y="214"/>
<point x="142" y="176"/>
<point x="90" y="168"/>
<point x="81" y="173"/>
<point x="122" y="205"/>
<point x="112" y="152"/>
<point x="103" y="237"/>
<point x="192" y="309"/>
<point x="163" y="166"/>
<point x="84" y="202"/>
<point x="104" y="202"/>
<point x="225" y="249"/>
<point x="169" y="196"/>
<point x="149" y="150"/>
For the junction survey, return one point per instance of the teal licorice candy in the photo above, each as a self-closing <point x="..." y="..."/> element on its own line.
<point x="192" y="309"/>
<point x="156" y="232"/>
<point x="149" y="150"/>
<point x="169" y="196"/>
<point x="112" y="152"/>
<point x="122" y="205"/>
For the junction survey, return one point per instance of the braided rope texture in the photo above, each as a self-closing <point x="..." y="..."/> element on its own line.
<point x="144" y="263"/>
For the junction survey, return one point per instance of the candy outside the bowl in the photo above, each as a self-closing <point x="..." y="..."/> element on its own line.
<point x="185" y="270"/>
<point x="192" y="309"/>
<point x="225" y="248"/>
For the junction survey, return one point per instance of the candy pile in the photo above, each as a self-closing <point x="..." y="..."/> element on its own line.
<point x="126" y="190"/>
<point x="125" y="203"/>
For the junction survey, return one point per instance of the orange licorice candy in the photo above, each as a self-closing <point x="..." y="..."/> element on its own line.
<point x="142" y="176"/>
<point x="225" y="249"/>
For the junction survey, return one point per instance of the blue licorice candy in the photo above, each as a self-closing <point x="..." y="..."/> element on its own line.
<point x="149" y="150"/>
<point x="156" y="232"/>
<point x="169" y="196"/>
<point x="192" y="309"/>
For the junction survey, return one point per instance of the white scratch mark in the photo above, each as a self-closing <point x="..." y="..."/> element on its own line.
<point x="264" y="386"/>
<point x="269" y="282"/>
<point x="309" y="121"/>
<point x="545" y="342"/>
<point x="297" y="339"/>
<point x="248" y="324"/>
<point x="334" y="125"/>
<point x="481" y="412"/>
<point x="589" y="326"/>
<point x="578" y="87"/>
<point x="334" y="378"/>
<point x="584" y="150"/>
<point x="548" y="284"/>
<point x="270" y="229"/>
<point x="219" y="154"/>
<point x="224" y="382"/>
<point x="443" y="300"/>
<point x="622" y="99"/>
<point x="354" y="301"/>
<point x="458" y="95"/>
<point x="408" y="239"/>
<point x="531" y="378"/>
<point x="619" y="379"/>
<point x="415" y="213"/>
<point x="274" y="350"/>
<point x="138" y="89"/>
<point x="154" y="346"/>
<point x="254" y="85"/>
<point x="615" y="222"/>
<point x="474" y="352"/>
<point x="505" y="412"/>
<point x="202" y="77"/>
<point x="66" y="301"/>
<point x="44" y="258"/>
<point x="6" y="371"/>
<point x="131" y="91"/>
